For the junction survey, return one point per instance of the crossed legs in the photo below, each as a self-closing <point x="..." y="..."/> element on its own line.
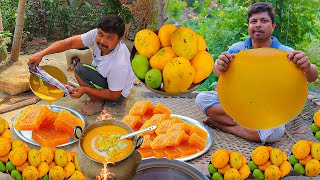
<point x="219" y="119"/>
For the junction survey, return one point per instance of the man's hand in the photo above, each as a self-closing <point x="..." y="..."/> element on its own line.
<point x="35" y="59"/>
<point x="223" y="61"/>
<point x="78" y="92"/>
<point x="301" y="60"/>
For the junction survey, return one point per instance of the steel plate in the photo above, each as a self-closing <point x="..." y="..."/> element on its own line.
<point x="158" y="169"/>
<point x="27" y="135"/>
<point x="200" y="125"/>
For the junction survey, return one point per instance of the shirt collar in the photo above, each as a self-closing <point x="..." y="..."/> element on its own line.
<point x="275" y="43"/>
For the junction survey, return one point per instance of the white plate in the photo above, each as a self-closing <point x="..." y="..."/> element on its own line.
<point x="27" y="135"/>
<point x="200" y="125"/>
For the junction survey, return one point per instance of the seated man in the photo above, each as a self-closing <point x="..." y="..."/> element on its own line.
<point x="110" y="77"/>
<point x="261" y="24"/>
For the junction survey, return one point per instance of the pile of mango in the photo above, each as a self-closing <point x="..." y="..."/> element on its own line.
<point x="269" y="163"/>
<point x="315" y="126"/>
<point x="305" y="158"/>
<point x="227" y="164"/>
<point x="171" y="60"/>
<point x="21" y="162"/>
<point x="4" y="129"/>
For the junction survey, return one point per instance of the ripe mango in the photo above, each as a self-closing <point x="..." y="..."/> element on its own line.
<point x="203" y="64"/>
<point x="34" y="157"/>
<point x="315" y="151"/>
<point x="162" y="57"/>
<point x="61" y="157"/>
<point x="185" y="42"/>
<point x="165" y="33"/>
<point x="178" y="75"/>
<point x="147" y="43"/>
<point x="236" y="160"/>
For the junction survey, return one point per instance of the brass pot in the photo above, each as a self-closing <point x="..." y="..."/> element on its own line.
<point x="137" y="141"/>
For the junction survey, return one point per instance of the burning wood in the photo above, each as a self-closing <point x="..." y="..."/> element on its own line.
<point x="104" y="115"/>
<point x="105" y="174"/>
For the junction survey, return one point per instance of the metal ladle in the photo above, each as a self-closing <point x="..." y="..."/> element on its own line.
<point x="138" y="132"/>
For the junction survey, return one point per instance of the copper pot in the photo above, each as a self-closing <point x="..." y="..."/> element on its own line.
<point x="137" y="141"/>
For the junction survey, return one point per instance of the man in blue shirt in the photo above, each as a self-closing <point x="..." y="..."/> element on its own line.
<point x="261" y="24"/>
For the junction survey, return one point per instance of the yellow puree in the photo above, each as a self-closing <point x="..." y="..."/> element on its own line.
<point x="93" y="148"/>
<point x="54" y="92"/>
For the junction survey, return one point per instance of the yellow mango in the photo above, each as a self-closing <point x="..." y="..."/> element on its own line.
<point x="162" y="57"/>
<point x="232" y="174"/>
<point x="18" y="156"/>
<point x="69" y="169"/>
<point x="285" y="168"/>
<point x="244" y="171"/>
<point x="34" y="157"/>
<point x="276" y="156"/>
<point x="202" y="43"/>
<point x="46" y="154"/>
<point x="272" y="173"/>
<point x="236" y="160"/>
<point x="23" y="166"/>
<point x="61" y="157"/>
<point x="301" y="149"/>
<point x="315" y="151"/>
<point x="260" y="155"/>
<point x="147" y="43"/>
<point x="165" y="33"/>
<point x="178" y="75"/>
<point x="30" y="173"/>
<point x="185" y="42"/>
<point x="5" y="146"/>
<point x="56" y="173"/>
<point x="203" y="64"/>
<point x="43" y="169"/>
<point x="312" y="168"/>
<point x="220" y="158"/>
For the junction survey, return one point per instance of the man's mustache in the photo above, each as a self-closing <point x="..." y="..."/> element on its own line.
<point x="105" y="46"/>
<point x="258" y="30"/>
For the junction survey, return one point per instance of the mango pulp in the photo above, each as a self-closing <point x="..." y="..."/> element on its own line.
<point x="261" y="89"/>
<point x="54" y="92"/>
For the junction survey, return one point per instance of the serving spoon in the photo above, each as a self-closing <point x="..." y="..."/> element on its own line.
<point x="138" y="132"/>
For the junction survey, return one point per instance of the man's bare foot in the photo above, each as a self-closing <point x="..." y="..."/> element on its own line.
<point x="210" y="122"/>
<point x="91" y="109"/>
<point x="237" y="130"/>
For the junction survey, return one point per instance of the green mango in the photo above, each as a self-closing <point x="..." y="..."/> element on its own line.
<point x="140" y="66"/>
<point x="299" y="168"/>
<point x="257" y="173"/>
<point x="252" y="166"/>
<point x="10" y="166"/>
<point x="16" y="175"/>
<point x="293" y="160"/>
<point x="2" y="167"/>
<point x="153" y="78"/>
<point x="217" y="176"/>
<point x="314" y="128"/>
<point x="212" y="169"/>
<point x="46" y="177"/>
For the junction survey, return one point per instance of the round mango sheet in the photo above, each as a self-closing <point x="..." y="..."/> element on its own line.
<point x="261" y="89"/>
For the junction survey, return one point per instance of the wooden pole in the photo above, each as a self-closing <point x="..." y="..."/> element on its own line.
<point x="16" y="44"/>
<point x="1" y="25"/>
<point x="160" y="13"/>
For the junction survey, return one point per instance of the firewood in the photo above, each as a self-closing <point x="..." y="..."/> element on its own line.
<point x="18" y="105"/>
<point x="17" y="99"/>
